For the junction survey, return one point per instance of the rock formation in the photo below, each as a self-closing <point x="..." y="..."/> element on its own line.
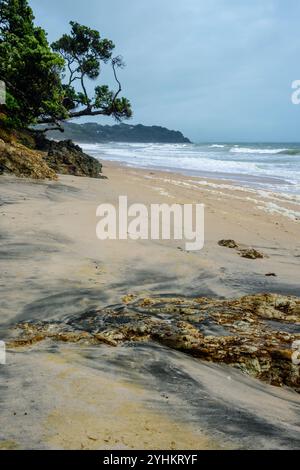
<point x="30" y="154"/>
<point x="66" y="158"/>
<point x="19" y="160"/>
<point x="254" y="333"/>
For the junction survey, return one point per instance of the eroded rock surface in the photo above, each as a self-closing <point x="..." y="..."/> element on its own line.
<point x="254" y="333"/>
<point x="67" y="158"/>
<point x="19" y="160"/>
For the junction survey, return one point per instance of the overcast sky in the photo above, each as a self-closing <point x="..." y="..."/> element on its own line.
<point x="218" y="70"/>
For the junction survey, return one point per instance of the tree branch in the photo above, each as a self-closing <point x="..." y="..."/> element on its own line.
<point x="84" y="91"/>
<point x="43" y="131"/>
<point x="90" y="112"/>
<point x="116" y="62"/>
<point x="84" y="112"/>
<point x="58" y="127"/>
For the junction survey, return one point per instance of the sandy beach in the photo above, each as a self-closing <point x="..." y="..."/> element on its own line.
<point x="141" y="395"/>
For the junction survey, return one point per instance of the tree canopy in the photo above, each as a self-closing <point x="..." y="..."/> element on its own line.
<point x="48" y="84"/>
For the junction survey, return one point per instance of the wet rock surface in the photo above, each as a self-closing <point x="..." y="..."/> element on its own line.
<point x="255" y="333"/>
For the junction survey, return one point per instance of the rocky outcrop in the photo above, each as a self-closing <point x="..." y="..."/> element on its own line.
<point x="254" y="333"/>
<point x="19" y="160"/>
<point x="30" y="154"/>
<point x="66" y="158"/>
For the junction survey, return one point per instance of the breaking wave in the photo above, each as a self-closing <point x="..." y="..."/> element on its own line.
<point x="271" y="167"/>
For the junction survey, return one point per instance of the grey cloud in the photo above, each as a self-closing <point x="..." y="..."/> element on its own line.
<point x="218" y="70"/>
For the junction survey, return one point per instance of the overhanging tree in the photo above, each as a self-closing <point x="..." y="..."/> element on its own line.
<point x="83" y="51"/>
<point x="49" y="85"/>
<point x="31" y="71"/>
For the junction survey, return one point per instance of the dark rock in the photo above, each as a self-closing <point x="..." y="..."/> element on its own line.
<point x="251" y="253"/>
<point x="66" y="158"/>
<point x="228" y="243"/>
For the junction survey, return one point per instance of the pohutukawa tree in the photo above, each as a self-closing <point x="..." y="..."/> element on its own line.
<point x="48" y="85"/>
<point x="83" y="51"/>
<point x="31" y="71"/>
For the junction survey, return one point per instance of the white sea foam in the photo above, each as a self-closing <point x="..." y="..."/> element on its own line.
<point x="286" y="205"/>
<point x="263" y="167"/>
<point x="276" y="209"/>
<point x="257" y="150"/>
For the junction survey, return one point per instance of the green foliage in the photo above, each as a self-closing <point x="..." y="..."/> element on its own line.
<point x="83" y="51"/>
<point x="30" y="69"/>
<point x="48" y="84"/>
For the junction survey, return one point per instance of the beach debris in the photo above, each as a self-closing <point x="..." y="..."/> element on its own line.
<point x="271" y="275"/>
<point x="228" y="243"/>
<point x="251" y="253"/>
<point x="254" y="333"/>
<point x="128" y="298"/>
<point x="146" y="302"/>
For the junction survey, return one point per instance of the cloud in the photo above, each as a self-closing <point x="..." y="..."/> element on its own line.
<point x="217" y="70"/>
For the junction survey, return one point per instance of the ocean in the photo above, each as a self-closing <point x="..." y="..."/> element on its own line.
<point x="273" y="167"/>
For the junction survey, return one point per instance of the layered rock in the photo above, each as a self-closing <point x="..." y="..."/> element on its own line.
<point x="255" y="333"/>
<point x="30" y="154"/>
<point x="19" y="160"/>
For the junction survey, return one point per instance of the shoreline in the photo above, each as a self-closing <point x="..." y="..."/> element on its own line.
<point x="55" y="268"/>
<point x="236" y="179"/>
<point x="257" y="168"/>
<point x="268" y="198"/>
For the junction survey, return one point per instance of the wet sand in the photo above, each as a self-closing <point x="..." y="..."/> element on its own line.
<point x="52" y="265"/>
<point x="143" y="396"/>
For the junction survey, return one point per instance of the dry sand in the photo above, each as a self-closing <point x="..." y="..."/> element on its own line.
<point x="52" y="265"/>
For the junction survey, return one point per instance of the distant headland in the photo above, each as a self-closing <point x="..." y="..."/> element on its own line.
<point x="94" y="133"/>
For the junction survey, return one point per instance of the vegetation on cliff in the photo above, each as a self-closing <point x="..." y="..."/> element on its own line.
<point x="93" y="133"/>
<point x="48" y="83"/>
<point x="23" y="153"/>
